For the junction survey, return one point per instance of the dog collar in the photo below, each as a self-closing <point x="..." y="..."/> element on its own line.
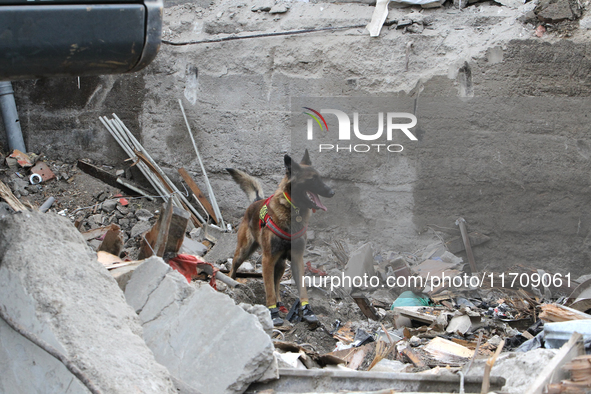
<point x="296" y="209"/>
<point x="265" y="220"/>
<point x="289" y="201"/>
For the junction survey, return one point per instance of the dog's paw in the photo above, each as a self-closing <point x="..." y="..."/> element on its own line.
<point x="277" y="320"/>
<point x="308" y="315"/>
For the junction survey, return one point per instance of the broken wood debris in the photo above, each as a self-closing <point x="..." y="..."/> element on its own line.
<point x="365" y="306"/>
<point x="10" y="198"/>
<point x="488" y="368"/>
<point x="413" y="357"/>
<point x="113" y="241"/>
<point x="579" y="369"/>
<point x="167" y="235"/>
<point x="111" y="180"/>
<point x="157" y="178"/>
<point x="198" y="194"/>
<point x="560" y="313"/>
<point x="553" y="372"/>
<point x="447" y="351"/>
<point x="462" y="223"/>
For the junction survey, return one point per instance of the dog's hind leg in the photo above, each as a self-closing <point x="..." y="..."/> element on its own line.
<point x="241" y="254"/>
<point x="246" y="246"/>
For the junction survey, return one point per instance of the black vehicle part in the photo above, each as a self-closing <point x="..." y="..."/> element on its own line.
<point x="40" y="39"/>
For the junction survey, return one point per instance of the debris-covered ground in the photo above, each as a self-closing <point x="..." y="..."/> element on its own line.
<point x="395" y="325"/>
<point x="118" y="275"/>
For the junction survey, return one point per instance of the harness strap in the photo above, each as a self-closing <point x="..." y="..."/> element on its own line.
<point x="266" y="220"/>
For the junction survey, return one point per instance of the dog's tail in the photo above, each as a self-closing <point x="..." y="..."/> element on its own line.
<point x="248" y="184"/>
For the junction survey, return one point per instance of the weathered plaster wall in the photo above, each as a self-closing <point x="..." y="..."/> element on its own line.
<point x="526" y="187"/>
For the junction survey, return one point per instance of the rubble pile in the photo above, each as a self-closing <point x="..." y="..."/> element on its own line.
<point x="429" y="320"/>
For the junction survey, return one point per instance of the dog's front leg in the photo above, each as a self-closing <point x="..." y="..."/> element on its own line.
<point x="297" y="270"/>
<point x="269" y="261"/>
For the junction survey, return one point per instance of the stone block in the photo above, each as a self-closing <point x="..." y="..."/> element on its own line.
<point x="54" y="288"/>
<point x="223" y="249"/>
<point x="202" y="337"/>
<point x="192" y="247"/>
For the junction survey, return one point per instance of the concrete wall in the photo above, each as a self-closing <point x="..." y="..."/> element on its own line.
<point x="526" y="187"/>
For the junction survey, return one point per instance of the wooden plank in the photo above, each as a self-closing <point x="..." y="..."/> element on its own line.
<point x="97" y="232"/>
<point x="412" y="312"/>
<point x="10" y="198"/>
<point x="366" y="307"/>
<point x="200" y="196"/>
<point x="162" y="238"/>
<point x="456" y="244"/>
<point x="167" y="235"/>
<point x="488" y="368"/>
<point x="553" y="371"/>
<point x="560" y="313"/>
<point x="146" y="248"/>
<point x="462" y="223"/>
<point x="413" y="357"/>
<point x="176" y="231"/>
<point x="105" y="177"/>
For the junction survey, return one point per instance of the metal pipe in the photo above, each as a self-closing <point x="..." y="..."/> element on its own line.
<point x="214" y="203"/>
<point x="47" y="204"/>
<point x="12" y="124"/>
<point x="178" y="195"/>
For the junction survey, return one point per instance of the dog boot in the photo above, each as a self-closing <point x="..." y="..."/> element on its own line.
<point x="277" y="320"/>
<point x="308" y="315"/>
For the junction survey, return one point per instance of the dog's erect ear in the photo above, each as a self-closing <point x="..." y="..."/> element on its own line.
<point x="291" y="166"/>
<point x="306" y="159"/>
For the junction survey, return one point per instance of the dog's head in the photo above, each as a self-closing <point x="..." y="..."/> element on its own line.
<point x="306" y="183"/>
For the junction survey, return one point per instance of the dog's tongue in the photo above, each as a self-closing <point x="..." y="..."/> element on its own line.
<point x="317" y="201"/>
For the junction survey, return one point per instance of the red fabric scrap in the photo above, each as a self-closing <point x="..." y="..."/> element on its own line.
<point x="314" y="270"/>
<point x="187" y="265"/>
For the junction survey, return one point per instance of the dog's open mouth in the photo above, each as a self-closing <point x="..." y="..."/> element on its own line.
<point x="315" y="200"/>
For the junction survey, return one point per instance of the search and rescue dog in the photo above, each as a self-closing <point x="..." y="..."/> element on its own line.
<point x="278" y="225"/>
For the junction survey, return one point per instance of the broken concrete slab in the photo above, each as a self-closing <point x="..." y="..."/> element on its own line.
<point x="123" y="274"/>
<point x="143" y="214"/>
<point x="192" y="247"/>
<point x="212" y="233"/>
<point x="140" y="228"/>
<point x="223" y="249"/>
<point x="510" y="3"/>
<point x="459" y="324"/>
<point x="194" y="328"/>
<point x="555" y="11"/>
<point x="262" y="313"/>
<point x="58" y="291"/>
<point x="262" y="5"/>
<point x="360" y="263"/>
<point x="109" y="205"/>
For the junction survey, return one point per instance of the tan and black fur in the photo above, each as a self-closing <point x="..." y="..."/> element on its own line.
<point x="301" y="182"/>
